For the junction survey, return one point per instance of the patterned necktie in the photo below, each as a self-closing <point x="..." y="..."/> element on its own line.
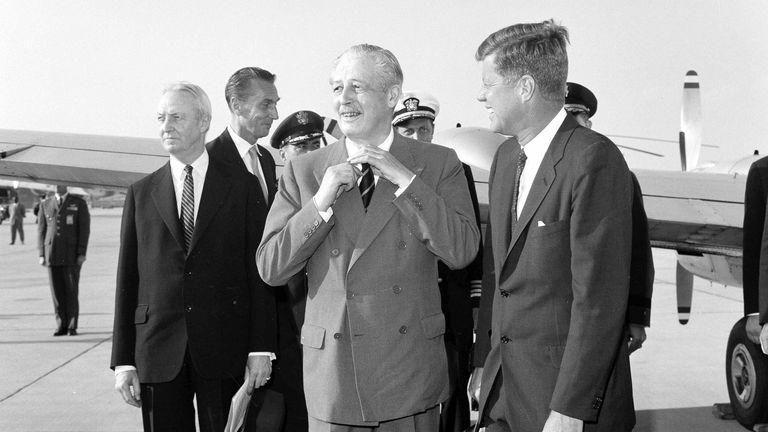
<point x="253" y="153"/>
<point x="366" y="185"/>
<point x="521" y="158"/>
<point x="188" y="207"/>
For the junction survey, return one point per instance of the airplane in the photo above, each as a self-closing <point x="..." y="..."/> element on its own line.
<point x="698" y="211"/>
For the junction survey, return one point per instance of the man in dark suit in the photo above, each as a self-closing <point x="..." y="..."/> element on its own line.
<point x="414" y="118"/>
<point x="369" y="217"/>
<point x="252" y="100"/>
<point x="558" y="246"/>
<point x="191" y="313"/>
<point x="756" y="252"/>
<point x="63" y="228"/>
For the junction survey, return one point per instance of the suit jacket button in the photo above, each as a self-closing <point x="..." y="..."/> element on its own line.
<point x="403" y="330"/>
<point x="335" y="252"/>
<point x="504" y="293"/>
<point x="189" y="308"/>
<point x="350" y="295"/>
<point x="337" y="336"/>
<point x="396" y="289"/>
<point x="505" y="339"/>
<point x="401" y="245"/>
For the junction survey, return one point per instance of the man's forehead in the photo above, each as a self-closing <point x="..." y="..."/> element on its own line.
<point x="175" y="101"/>
<point x="352" y="67"/>
<point x="260" y="89"/>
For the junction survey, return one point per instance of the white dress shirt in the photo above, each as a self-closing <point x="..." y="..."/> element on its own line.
<point x="199" y="169"/>
<point x="535" y="150"/>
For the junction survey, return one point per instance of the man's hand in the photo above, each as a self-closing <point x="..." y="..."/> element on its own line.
<point x="80" y="259"/>
<point x="42" y="261"/>
<point x="257" y="371"/>
<point x="636" y="337"/>
<point x="383" y="164"/>
<point x="127" y="384"/>
<point x="473" y="389"/>
<point x="764" y="338"/>
<point x="557" y="422"/>
<point x="337" y="179"/>
<point x="753" y="328"/>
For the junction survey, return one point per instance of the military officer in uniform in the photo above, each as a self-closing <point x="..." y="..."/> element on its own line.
<point x="300" y="132"/>
<point x="63" y="228"/>
<point x="460" y="289"/>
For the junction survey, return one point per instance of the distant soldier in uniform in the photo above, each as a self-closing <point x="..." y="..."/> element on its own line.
<point x="63" y="228"/>
<point x="581" y="103"/>
<point x="300" y="132"/>
<point x="414" y="118"/>
<point x="18" y="213"/>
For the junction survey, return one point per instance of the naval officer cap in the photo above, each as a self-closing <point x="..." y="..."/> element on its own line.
<point x="298" y="127"/>
<point x="580" y="99"/>
<point x="415" y="104"/>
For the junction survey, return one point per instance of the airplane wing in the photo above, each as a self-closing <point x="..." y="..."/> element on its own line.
<point x="77" y="159"/>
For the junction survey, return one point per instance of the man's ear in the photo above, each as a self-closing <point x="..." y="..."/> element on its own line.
<point x="393" y="95"/>
<point x="234" y="105"/>
<point x="527" y="87"/>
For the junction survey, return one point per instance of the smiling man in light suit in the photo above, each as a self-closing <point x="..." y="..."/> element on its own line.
<point x="558" y="244"/>
<point x="369" y="216"/>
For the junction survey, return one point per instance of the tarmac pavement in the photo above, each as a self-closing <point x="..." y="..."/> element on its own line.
<point x="64" y="383"/>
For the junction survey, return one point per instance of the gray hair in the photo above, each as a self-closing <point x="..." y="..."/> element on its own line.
<point x="388" y="71"/>
<point x="203" y="104"/>
<point x="535" y="49"/>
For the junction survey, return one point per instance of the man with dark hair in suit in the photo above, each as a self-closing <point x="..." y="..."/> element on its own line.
<point x="368" y="217"/>
<point x="558" y="249"/>
<point x="252" y="100"/>
<point x="63" y="228"/>
<point x="193" y="319"/>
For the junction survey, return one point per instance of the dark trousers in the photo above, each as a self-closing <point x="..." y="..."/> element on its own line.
<point x="454" y="416"/>
<point x="168" y="407"/>
<point x="495" y="418"/>
<point x="65" y="282"/>
<point x="17" y="225"/>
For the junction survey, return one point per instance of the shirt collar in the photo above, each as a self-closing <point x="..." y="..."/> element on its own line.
<point x="200" y="165"/>
<point x="540" y="143"/>
<point x="385" y="145"/>
<point x="242" y="145"/>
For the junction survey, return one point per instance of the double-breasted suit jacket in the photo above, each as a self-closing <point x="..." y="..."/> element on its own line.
<point x="561" y="279"/>
<point x="373" y="331"/>
<point x="209" y="300"/>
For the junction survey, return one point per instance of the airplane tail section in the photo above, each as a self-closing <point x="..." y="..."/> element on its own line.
<point x="690" y="122"/>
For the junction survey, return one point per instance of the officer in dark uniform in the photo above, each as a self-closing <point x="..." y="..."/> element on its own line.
<point x="300" y="132"/>
<point x="63" y="228"/>
<point x="460" y="289"/>
<point x="581" y="103"/>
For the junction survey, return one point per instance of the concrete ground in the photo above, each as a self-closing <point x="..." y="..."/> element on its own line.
<point x="64" y="384"/>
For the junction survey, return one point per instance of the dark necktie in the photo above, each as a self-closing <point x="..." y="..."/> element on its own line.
<point x="521" y="158"/>
<point x="366" y="185"/>
<point x="188" y="207"/>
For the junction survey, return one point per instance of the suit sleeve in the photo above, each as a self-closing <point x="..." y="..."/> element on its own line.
<point x="641" y="272"/>
<point x="600" y="244"/>
<point x="83" y="228"/>
<point x="124" y="330"/>
<point x="442" y="217"/>
<point x="754" y="219"/>
<point x="292" y="232"/>
<point x="42" y="226"/>
<point x="475" y="269"/>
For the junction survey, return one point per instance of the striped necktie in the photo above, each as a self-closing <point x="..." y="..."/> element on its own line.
<point x="367" y="185"/>
<point x="188" y="207"/>
<point x="521" y="158"/>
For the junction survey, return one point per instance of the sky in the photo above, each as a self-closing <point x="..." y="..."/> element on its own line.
<point x="97" y="67"/>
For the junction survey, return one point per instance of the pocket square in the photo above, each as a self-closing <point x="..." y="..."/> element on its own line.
<point x="540" y="224"/>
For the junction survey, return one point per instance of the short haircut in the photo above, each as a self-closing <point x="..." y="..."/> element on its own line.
<point x="388" y="71"/>
<point x="240" y="82"/>
<point x="203" y="104"/>
<point x="535" y="49"/>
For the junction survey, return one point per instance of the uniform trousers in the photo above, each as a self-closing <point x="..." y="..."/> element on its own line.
<point x="454" y="416"/>
<point x="17" y="226"/>
<point x="65" y="281"/>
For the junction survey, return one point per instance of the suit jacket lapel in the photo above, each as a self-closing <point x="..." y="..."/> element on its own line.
<point x="164" y="197"/>
<point x="348" y="207"/>
<point x="544" y="178"/>
<point x="381" y="209"/>
<point x="215" y="192"/>
<point x="268" y="168"/>
<point x="504" y="174"/>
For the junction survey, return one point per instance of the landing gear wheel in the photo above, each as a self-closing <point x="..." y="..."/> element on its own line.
<point x="746" y="368"/>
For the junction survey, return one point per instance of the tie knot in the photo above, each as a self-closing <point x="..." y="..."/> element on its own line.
<point x="188" y="169"/>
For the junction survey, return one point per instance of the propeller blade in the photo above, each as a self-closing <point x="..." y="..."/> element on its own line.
<point x="690" y="122"/>
<point x="684" y="294"/>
